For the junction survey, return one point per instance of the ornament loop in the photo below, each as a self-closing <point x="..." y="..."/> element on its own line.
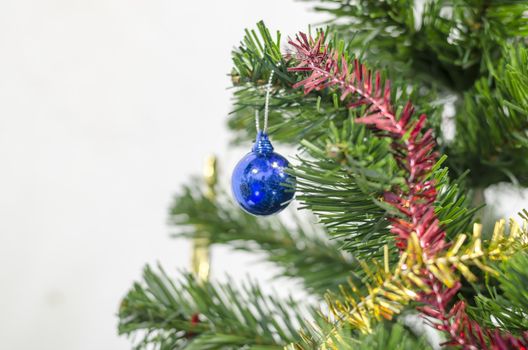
<point x="262" y="144"/>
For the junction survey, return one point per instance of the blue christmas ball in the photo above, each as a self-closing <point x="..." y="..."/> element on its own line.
<point x="259" y="183"/>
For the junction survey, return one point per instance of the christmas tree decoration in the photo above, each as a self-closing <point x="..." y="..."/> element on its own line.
<point x="201" y="255"/>
<point x="260" y="184"/>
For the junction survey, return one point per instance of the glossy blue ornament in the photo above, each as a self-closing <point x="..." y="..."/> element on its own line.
<point x="259" y="183"/>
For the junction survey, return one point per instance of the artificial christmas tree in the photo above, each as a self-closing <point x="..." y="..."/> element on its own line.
<point x="396" y="197"/>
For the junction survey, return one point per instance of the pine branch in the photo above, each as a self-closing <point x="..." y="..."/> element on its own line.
<point x="185" y="314"/>
<point x="293" y="116"/>
<point x="500" y="103"/>
<point x="300" y="252"/>
<point x="452" y="205"/>
<point x="386" y="335"/>
<point x="413" y="148"/>
<point x="445" y="47"/>
<point x="458" y="43"/>
<point x="342" y="178"/>
<point x="506" y="306"/>
<point x="454" y="48"/>
<point x="253" y="61"/>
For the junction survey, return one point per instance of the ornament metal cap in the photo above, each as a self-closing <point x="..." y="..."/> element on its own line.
<point x="262" y="144"/>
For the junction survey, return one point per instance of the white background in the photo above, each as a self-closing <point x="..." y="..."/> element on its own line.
<point x="106" y="108"/>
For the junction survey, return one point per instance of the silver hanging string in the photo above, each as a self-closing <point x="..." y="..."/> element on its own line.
<point x="266" y="106"/>
<point x="257" y="123"/>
